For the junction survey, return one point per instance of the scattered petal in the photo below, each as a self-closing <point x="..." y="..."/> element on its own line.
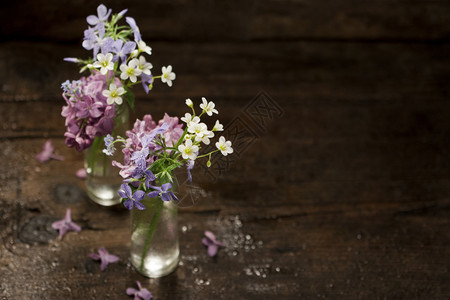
<point x="142" y="293"/>
<point x="65" y="225"/>
<point x="81" y="173"/>
<point x="47" y="153"/>
<point x="212" y="244"/>
<point x="104" y="257"/>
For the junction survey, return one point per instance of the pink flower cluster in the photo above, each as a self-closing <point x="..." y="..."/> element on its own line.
<point x="87" y="113"/>
<point x="140" y="130"/>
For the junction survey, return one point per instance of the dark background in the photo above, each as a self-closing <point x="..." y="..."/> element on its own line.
<point x="341" y="193"/>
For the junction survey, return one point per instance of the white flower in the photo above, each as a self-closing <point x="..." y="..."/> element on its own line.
<point x="188" y="150"/>
<point x="167" y="75"/>
<point x="217" y="126"/>
<point x="199" y="129"/>
<point x="224" y="146"/>
<point x="144" y="66"/>
<point x="113" y="94"/>
<point x="104" y="62"/>
<point x="205" y="138"/>
<point x="134" y="53"/>
<point x="142" y="46"/>
<point x="208" y="107"/>
<point x="189" y="102"/>
<point x="189" y="120"/>
<point x="130" y="71"/>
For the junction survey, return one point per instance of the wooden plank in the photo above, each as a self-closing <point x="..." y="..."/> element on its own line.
<point x="238" y="20"/>
<point x="350" y="71"/>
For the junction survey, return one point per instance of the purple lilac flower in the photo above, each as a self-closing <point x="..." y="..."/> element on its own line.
<point x="141" y="294"/>
<point x="142" y="136"/>
<point x="174" y="131"/>
<point x="88" y="108"/>
<point x="122" y="49"/>
<point x="123" y="12"/>
<point x="189" y="167"/>
<point x="103" y="15"/>
<point x="104" y="257"/>
<point x="71" y="59"/>
<point x="47" y="153"/>
<point x="109" y="143"/>
<point x="125" y="192"/>
<point x="210" y="241"/>
<point x="94" y="39"/>
<point x="81" y="173"/>
<point x="163" y="191"/>
<point x="65" y="225"/>
<point x="132" y="23"/>
<point x="87" y="112"/>
<point x="149" y="177"/>
<point x="146" y="81"/>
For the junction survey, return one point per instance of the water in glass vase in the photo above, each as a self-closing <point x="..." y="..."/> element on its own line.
<point x="154" y="238"/>
<point x="103" y="180"/>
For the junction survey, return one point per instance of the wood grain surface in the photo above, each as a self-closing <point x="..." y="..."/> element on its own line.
<point x="338" y="189"/>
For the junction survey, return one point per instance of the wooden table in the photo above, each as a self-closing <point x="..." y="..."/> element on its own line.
<point x="340" y="184"/>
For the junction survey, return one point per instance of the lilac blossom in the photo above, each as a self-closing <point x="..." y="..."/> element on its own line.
<point x="164" y="192"/>
<point x="141" y="294"/>
<point x="122" y="49"/>
<point x="81" y="173"/>
<point x="87" y="112"/>
<point x="47" y="153"/>
<point x="71" y="59"/>
<point x="94" y="40"/>
<point x="146" y="81"/>
<point x="189" y="167"/>
<point x="210" y="241"/>
<point x="122" y="12"/>
<point x="149" y="177"/>
<point x="132" y="23"/>
<point x="65" y="225"/>
<point x="102" y="15"/>
<point x="126" y="193"/>
<point x="142" y="136"/>
<point x="88" y="108"/>
<point x="104" y="257"/>
<point x="109" y="143"/>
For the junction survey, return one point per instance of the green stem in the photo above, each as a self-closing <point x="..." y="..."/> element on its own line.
<point x="151" y="231"/>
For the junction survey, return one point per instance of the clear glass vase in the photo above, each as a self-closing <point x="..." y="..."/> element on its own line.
<point x="103" y="180"/>
<point x="154" y="237"/>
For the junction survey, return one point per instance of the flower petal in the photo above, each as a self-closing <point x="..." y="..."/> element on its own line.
<point x="212" y="250"/>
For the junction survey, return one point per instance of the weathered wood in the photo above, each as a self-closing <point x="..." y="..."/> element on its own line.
<point x="340" y="193"/>
<point x="237" y="20"/>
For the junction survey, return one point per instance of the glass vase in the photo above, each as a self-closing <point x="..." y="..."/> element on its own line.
<point x="154" y="237"/>
<point x="103" y="180"/>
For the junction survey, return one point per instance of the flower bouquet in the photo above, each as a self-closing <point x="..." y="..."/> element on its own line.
<point x="98" y="104"/>
<point x="152" y="152"/>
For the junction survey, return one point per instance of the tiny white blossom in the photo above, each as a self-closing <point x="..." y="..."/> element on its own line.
<point x="224" y="146"/>
<point x="217" y="126"/>
<point x="188" y="150"/>
<point x="134" y="53"/>
<point x="104" y="62"/>
<point x="144" y="66"/>
<point x="199" y="129"/>
<point x="142" y="46"/>
<point x="189" y="102"/>
<point x="188" y="119"/>
<point x="205" y="138"/>
<point x="208" y="107"/>
<point x="167" y="75"/>
<point x="113" y="94"/>
<point x="131" y="71"/>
